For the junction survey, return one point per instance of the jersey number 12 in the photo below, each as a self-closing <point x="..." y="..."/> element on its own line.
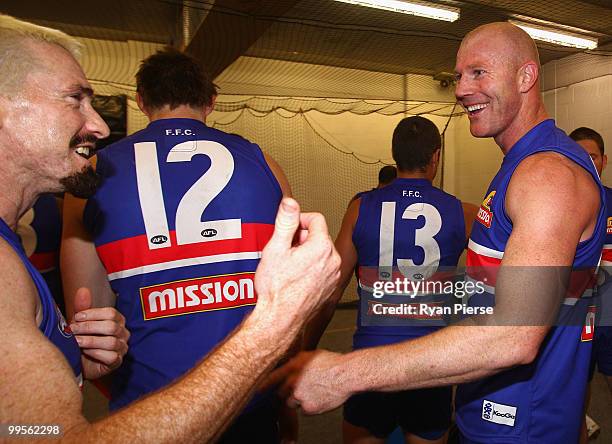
<point x="190" y="228"/>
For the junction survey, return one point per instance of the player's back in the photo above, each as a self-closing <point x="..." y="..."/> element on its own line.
<point x="408" y="229"/>
<point x="179" y="223"/>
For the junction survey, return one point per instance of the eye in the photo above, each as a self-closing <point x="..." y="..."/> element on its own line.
<point x="75" y="98"/>
<point x="478" y="72"/>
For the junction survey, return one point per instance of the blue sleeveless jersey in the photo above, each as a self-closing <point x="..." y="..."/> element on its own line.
<point x="179" y="223"/>
<point x="602" y="346"/>
<point x="541" y="402"/>
<point x="40" y="230"/>
<point x="406" y="226"/>
<point x="53" y="324"/>
<point x="606" y="256"/>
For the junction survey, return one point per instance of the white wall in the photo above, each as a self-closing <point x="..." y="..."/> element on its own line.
<point x="585" y="99"/>
<point x="471" y="163"/>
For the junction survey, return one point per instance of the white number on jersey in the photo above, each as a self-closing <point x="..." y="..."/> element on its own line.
<point x="189" y="226"/>
<point x="423" y="238"/>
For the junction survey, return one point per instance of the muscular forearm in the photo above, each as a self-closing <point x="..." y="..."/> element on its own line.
<point x="477" y="347"/>
<point x="454" y="355"/>
<point x="198" y="406"/>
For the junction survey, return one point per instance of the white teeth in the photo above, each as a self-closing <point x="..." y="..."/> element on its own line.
<point x="83" y="150"/>
<point x="472" y="108"/>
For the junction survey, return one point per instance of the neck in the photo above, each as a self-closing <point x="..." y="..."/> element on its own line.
<point x="403" y="174"/>
<point x="531" y="113"/>
<point x="17" y="197"/>
<point x="181" y="112"/>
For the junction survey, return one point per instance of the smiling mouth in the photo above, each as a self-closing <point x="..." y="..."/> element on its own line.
<point x="476" y="108"/>
<point x="85" y="151"/>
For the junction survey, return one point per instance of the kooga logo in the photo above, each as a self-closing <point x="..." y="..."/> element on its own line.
<point x="503" y="415"/>
<point x="498" y="413"/>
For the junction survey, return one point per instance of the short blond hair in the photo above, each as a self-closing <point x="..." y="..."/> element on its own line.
<point x="17" y="58"/>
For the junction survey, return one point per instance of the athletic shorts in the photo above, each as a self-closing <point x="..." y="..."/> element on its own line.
<point x="425" y="413"/>
<point x="259" y="425"/>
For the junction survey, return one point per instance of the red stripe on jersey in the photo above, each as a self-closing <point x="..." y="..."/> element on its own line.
<point x="44" y="261"/>
<point x="480" y="260"/>
<point x="606" y="255"/>
<point x="134" y="252"/>
<point x="484" y="268"/>
<point x="580" y="282"/>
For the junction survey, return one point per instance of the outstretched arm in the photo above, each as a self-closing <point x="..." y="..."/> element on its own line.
<point x="462" y="353"/>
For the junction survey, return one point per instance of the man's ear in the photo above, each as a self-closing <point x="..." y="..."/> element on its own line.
<point x="209" y="108"/>
<point x="604" y="158"/>
<point x="528" y="76"/>
<point x="436" y="156"/>
<point x="140" y="103"/>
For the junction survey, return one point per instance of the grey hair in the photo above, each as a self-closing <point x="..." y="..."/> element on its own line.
<point x="17" y="58"/>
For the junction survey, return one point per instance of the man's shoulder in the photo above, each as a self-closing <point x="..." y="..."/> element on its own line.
<point x="550" y="186"/>
<point x="444" y="196"/>
<point x="18" y="289"/>
<point x="549" y="164"/>
<point x="553" y="176"/>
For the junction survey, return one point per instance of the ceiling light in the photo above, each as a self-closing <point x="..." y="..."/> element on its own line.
<point x="421" y="9"/>
<point x="557" y="37"/>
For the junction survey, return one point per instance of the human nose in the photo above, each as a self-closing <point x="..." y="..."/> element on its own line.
<point x="96" y="124"/>
<point x="463" y="88"/>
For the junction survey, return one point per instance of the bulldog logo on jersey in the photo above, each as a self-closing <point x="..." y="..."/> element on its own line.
<point x="62" y="325"/>
<point x="588" y="330"/>
<point x="485" y="215"/>
<point x="609" y="226"/>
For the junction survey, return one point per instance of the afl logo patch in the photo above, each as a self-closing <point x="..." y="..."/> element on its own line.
<point x="209" y="232"/>
<point x="160" y="239"/>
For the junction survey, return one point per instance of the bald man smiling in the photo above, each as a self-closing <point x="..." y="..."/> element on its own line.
<point x="521" y="371"/>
